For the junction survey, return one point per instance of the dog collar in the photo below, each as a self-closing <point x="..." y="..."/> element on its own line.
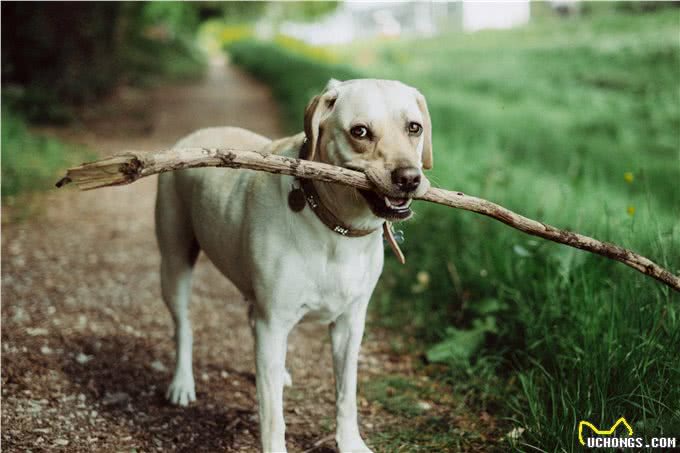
<point x="306" y="193"/>
<point x="303" y="192"/>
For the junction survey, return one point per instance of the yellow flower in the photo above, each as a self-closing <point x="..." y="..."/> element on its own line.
<point x="423" y="278"/>
<point x="631" y="210"/>
<point x="628" y="177"/>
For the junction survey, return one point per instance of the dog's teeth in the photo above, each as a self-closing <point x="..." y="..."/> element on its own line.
<point x="397" y="203"/>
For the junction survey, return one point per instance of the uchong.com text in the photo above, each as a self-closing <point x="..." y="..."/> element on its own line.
<point x="630" y="442"/>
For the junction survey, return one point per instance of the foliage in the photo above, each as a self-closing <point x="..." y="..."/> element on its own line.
<point x="299" y="47"/>
<point x="307" y="11"/>
<point x="459" y="345"/>
<point x="30" y="161"/>
<point x="635" y="7"/>
<point x="55" y="57"/>
<point x="429" y="427"/>
<point x="575" y="123"/>
<point x="578" y="128"/>
<point x="397" y="394"/>
<point x="180" y="18"/>
<point x="293" y="77"/>
<point x="249" y="12"/>
<point x="216" y="34"/>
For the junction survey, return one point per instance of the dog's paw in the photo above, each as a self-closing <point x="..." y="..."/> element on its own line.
<point x="287" y="380"/>
<point x="352" y="445"/>
<point x="181" y="391"/>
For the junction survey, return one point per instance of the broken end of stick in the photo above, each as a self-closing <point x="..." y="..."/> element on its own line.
<point x="62" y="182"/>
<point x="112" y="171"/>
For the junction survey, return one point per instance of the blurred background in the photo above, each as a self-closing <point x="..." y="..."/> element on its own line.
<point x="564" y="111"/>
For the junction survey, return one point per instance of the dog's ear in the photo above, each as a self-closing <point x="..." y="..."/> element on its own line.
<point x="316" y="110"/>
<point x="332" y="83"/>
<point x="427" y="131"/>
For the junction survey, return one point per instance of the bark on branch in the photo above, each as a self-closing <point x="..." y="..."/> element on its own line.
<point x="128" y="167"/>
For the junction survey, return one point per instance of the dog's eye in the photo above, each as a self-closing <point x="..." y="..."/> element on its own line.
<point x="359" y="131"/>
<point x="414" y="128"/>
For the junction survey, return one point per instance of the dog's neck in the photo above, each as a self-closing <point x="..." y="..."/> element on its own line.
<point x="348" y="206"/>
<point x="345" y="203"/>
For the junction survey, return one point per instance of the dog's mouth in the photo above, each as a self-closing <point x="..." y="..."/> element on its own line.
<point x="389" y="208"/>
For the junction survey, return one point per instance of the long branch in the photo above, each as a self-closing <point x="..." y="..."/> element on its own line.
<point x="130" y="166"/>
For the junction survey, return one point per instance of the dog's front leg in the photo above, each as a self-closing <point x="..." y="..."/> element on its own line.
<point x="270" y="355"/>
<point x="346" y="334"/>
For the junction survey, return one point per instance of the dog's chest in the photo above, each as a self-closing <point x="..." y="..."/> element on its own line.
<point x="337" y="277"/>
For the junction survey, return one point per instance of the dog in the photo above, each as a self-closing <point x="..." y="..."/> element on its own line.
<point x="297" y="250"/>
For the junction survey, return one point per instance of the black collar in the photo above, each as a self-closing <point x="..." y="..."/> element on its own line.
<point x="307" y="191"/>
<point x="304" y="192"/>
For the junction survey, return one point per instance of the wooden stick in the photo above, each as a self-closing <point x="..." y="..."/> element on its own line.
<point x="130" y="166"/>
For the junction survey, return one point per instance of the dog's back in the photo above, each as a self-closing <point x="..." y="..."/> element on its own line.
<point x="180" y="184"/>
<point x="179" y="219"/>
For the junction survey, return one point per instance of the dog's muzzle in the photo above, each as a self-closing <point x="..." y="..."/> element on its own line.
<point x="392" y="200"/>
<point x="388" y="207"/>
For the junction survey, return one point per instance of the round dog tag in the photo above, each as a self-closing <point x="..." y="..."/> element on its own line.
<point x="296" y="199"/>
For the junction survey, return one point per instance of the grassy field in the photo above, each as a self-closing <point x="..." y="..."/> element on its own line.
<point x="575" y="123"/>
<point x="31" y="161"/>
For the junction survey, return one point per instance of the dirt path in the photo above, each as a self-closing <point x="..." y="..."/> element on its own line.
<point x="86" y="340"/>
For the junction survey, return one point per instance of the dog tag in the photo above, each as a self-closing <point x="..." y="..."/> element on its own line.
<point x="388" y="235"/>
<point x="399" y="236"/>
<point x="296" y="199"/>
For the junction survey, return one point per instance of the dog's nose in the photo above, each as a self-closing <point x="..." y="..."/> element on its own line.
<point x="406" y="178"/>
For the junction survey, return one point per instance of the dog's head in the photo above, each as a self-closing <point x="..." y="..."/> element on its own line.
<point x="380" y="127"/>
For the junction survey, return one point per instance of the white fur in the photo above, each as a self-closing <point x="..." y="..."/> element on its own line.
<point x="289" y="265"/>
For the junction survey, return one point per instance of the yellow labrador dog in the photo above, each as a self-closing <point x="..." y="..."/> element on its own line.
<point x="297" y="250"/>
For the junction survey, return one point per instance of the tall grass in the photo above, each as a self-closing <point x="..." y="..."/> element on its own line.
<point x="574" y="123"/>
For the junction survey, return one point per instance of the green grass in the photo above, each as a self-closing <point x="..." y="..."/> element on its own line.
<point x="428" y="427"/>
<point x="427" y="434"/>
<point x="575" y="123"/>
<point x="32" y="162"/>
<point x="397" y="394"/>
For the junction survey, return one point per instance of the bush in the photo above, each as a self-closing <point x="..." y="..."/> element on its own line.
<point x="56" y="57"/>
<point x="294" y="78"/>
<point x="32" y="162"/>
